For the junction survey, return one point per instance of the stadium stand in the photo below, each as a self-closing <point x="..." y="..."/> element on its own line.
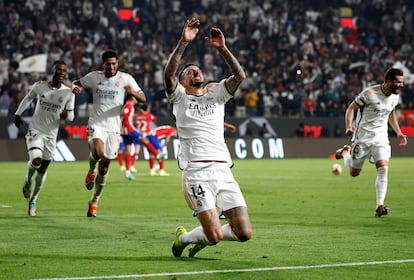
<point x="304" y="58"/>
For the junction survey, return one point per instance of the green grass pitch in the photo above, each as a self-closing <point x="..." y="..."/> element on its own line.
<point x="307" y="224"/>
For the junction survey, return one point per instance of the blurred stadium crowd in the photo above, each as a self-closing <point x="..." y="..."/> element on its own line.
<point x="299" y="59"/>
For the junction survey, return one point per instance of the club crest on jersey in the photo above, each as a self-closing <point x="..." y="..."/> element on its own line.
<point x="60" y="99"/>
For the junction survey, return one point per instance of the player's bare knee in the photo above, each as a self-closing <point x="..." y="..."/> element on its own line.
<point x="36" y="162"/>
<point x="245" y="235"/>
<point x="214" y="241"/>
<point x="35" y="156"/>
<point x="382" y="170"/>
<point x="97" y="155"/>
<point x="354" y="172"/>
<point x="214" y="237"/>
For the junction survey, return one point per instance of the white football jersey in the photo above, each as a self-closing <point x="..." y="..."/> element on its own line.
<point x="373" y="114"/>
<point x="108" y="98"/>
<point x="50" y="103"/>
<point x="200" y="123"/>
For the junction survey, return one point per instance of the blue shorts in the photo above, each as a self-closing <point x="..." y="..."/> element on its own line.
<point x="132" y="138"/>
<point x="121" y="145"/>
<point x="154" y="141"/>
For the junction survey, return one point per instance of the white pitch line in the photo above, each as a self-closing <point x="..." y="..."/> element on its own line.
<point x="277" y="268"/>
<point x="5" y="206"/>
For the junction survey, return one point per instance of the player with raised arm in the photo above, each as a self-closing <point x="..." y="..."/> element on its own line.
<point x="207" y="182"/>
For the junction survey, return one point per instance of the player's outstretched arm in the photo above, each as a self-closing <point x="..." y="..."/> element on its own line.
<point x="217" y="41"/>
<point x="188" y="34"/>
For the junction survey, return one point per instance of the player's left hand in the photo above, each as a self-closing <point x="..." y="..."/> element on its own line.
<point x="76" y="90"/>
<point x="231" y="127"/>
<point x="216" y="38"/>
<point x="403" y="139"/>
<point x="64" y="114"/>
<point x="190" y="30"/>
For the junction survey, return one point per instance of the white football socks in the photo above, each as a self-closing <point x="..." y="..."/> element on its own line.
<point x="347" y="160"/>
<point x="39" y="181"/>
<point x="30" y="171"/>
<point x="381" y="184"/>
<point x="100" y="182"/>
<point x="197" y="236"/>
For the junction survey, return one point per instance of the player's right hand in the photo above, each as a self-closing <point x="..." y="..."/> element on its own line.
<point x="190" y="31"/>
<point x="18" y="121"/>
<point x="76" y="90"/>
<point x="349" y="131"/>
<point x="128" y="89"/>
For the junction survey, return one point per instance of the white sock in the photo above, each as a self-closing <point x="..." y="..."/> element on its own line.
<point x="228" y="233"/>
<point x="347" y="160"/>
<point x="381" y="184"/>
<point x="30" y="171"/>
<point x="100" y="182"/>
<point x="39" y="181"/>
<point x="195" y="236"/>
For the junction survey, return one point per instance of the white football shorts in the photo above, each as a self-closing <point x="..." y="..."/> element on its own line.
<point x="210" y="185"/>
<point x="47" y="145"/>
<point x="110" y="140"/>
<point x="361" y="151"/>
